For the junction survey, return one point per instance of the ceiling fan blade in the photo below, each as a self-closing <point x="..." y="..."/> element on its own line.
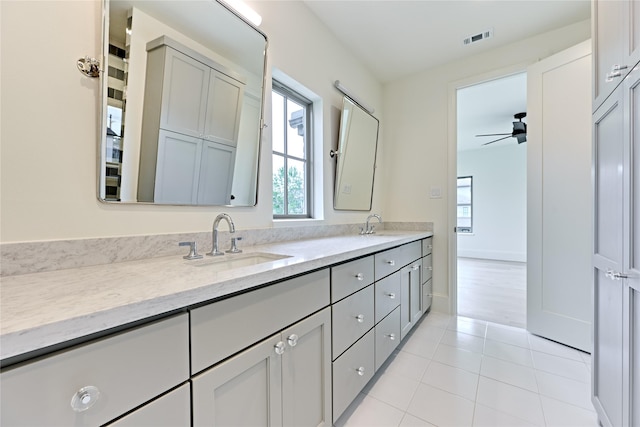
<point x="500" y="139"/>
<point x="494" y="134"/>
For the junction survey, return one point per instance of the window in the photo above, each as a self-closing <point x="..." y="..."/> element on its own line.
<point x="291" y="136"/>
<point x="465" y="204"/>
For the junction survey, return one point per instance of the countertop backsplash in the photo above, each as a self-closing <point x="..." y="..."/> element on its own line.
<point x="34" y="257"/>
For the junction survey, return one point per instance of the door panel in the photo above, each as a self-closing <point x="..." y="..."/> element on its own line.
<point x="559" y="198"/>
<point x="306" y="368"/>
<point x="242" y="391"/>
<point x="608" y="342"/>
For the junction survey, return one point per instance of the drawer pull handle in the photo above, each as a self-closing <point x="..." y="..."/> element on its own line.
<point x="360" y="276"/>
<point x="429" y="246"/>
<point x="85" y="398"/>
<point x="279" y="348"/>
<point x="415" y="267"/>
<point x="292" y="340"/>
<point x="360" y="370"/>
<point x="391" y="262"/>
<point x="360" y="318"/>
<point x="430" y="268"/>
<point x="391" y="295"/>
<point x="392" y="337"/>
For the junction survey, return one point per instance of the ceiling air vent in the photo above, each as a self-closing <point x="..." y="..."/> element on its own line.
<point x="487" y="34"/>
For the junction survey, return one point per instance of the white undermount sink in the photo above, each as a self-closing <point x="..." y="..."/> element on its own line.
<point x="231" y="261"/>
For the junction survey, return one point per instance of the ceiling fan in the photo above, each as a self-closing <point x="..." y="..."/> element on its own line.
<point x="519" y="131"/>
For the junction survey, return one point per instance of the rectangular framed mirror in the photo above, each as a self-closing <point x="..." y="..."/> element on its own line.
<point x="356" y="163"/>
<point x="183" y="104"/>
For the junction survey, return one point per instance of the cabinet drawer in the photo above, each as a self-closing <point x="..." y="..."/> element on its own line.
<point x="352" y="318"/>
<point x="387" y="336"/>
<point x="427" y="246"/>
<point x="171" y="410"/>
<point x="410" y="252"/>
<point x="351" y="372"/>
<point x="223" y="328"/>
<point x="427" y="268"/>
<point x="387" y="262"/>
<point x="351" y="277"/>
<point x="127" y="369"/>
<point x="427" y="295"/>
<point x="387" y="295"/>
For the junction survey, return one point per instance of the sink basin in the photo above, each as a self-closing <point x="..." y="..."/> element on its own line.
<point x="231" y="261"/>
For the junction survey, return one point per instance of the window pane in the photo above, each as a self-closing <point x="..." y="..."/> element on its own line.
<point x="278" y="185"/>
<point x="296" y="188"/>
<point x="296" y="129"/>
<point x="277" y="122"/>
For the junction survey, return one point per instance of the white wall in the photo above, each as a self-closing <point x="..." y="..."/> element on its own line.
<point x="420" y="126"/>
<point x="499" y="202"/>
<point x="50" y="120"/>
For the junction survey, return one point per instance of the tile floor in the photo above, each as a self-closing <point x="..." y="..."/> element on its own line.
<point x="457" y="371"/>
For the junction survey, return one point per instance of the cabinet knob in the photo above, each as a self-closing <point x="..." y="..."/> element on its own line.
<point x="391" y="262"/>
<point x="85" y="398"/>
<point x="391" y="295"/>
<point x="360" y="318"/>
<point x="360" y="276"/>
<point x="292" y="340"/>
<point x="392" y="337"/>
<point x="360" y="370"/>
<point x="279" y="348"/>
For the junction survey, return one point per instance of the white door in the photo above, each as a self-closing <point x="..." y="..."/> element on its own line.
<point x="559" y="280"/>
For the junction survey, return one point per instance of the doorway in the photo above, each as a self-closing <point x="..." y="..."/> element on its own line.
<point x="492" y="200"/>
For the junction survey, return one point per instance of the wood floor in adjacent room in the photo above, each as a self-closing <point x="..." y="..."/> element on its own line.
<point x="494" y="291"/>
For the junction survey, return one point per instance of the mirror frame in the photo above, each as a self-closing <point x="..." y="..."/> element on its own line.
<point x="103" y="122"/>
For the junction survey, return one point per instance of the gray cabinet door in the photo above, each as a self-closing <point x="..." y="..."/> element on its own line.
<point x="184" y="93"/>
<point x="306" y="372"/>
<point x="224" y="105"/>
<point x="216" y="173"/>
<point x="178" y="168"/>
<point x="245" y="390"/>
<point x="608" y="158"/>
<point x="410" y="298"/>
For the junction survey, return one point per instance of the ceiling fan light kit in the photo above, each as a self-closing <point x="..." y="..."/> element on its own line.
<point x="519" y="131"/>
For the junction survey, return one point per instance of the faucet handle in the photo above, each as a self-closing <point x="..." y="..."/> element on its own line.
<point x="234" y="248"/>
<point x="193" y="250"/>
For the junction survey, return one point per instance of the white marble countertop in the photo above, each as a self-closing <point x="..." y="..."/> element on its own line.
<point x="44" y="309"/>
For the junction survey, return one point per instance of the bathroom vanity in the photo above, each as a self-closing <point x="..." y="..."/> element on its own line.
<point x="289" y="340"/>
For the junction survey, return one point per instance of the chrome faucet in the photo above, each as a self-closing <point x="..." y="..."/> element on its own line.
<point x="232" y="229"/>
<point x="369" y="229"/>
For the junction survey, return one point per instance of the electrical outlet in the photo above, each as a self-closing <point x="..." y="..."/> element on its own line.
<point x="436" y="193"/>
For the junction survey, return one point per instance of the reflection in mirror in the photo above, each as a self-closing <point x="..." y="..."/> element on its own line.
<point x="357" y="146"/>
<point x="184" y="104"/>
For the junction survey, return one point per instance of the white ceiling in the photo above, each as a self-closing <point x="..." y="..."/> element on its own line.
<point x="397" y="38"/>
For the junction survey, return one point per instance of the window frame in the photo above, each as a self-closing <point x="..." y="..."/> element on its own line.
<point x="459" y="229"/>
<point x="287" y="93"/>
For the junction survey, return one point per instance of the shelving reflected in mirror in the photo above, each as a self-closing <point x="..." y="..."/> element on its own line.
<point x="183" y="104"/>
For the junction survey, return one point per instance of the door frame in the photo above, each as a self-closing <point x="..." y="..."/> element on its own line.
<point x="452" y="197"/>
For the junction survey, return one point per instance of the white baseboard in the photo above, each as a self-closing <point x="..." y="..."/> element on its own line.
<point x="495" y="255"/>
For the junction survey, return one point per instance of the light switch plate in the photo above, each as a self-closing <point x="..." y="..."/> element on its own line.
<point x="436" y="193"/>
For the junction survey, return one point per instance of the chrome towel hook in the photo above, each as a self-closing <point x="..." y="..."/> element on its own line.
<point x="90" y="67"/>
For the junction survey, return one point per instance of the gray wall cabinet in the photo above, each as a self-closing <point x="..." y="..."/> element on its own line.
<point x="616" y="197"/>
<point x="190" y="127"/>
